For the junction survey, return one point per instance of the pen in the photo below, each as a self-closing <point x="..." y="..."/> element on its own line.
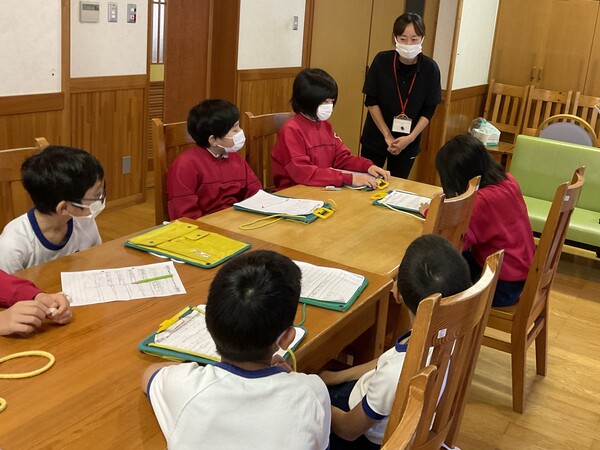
<point x="167" y="323"/>
<point x="148" y="280"/>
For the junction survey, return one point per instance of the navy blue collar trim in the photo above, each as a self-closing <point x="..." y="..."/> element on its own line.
<point x="38" y="232"/>
<point x="402" y="342"/>
<point x="261" y="373"/>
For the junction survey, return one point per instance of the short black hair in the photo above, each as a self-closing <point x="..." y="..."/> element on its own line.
<point x="462" y="158"/>
<point x="431" y="265"/>
<point x="59" y="173"/>
<point x="212" y="117"/>
<point x="252" y="300"/>
<point x="311" y="88"/>
<point x="402" y="22"/>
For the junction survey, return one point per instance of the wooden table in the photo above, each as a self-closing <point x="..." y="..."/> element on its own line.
<point x="91" y="397"/>
<point x="358" y="234"/>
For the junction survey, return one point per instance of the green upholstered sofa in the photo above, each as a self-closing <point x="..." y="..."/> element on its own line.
<point x="540" y="165"/>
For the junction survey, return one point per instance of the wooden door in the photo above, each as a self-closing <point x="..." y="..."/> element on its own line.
<point x="340" y="43"/>
<point x="517" y="41"/>
<point x="186" y="56"/>
<point x="592" y="80"/>
<point x="568" y="40"/>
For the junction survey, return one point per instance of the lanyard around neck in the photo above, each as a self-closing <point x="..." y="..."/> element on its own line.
<point x="403" y="104"/>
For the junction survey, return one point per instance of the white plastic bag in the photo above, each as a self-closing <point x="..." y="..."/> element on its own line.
<point x="485" y="132"/>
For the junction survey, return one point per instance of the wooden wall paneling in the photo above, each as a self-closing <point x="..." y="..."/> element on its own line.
<point x="156" y="98"/>
<point x="592" y="80"/>
<point x="111" y="124"/>
<point x="466" y="105"/>
<point x="187" y="41"/>
<point x="265" y="91"/>
<point x="19" y="130"/>
<point x="224" y="50"/>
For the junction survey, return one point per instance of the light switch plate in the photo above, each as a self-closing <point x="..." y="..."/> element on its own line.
<point x="112" y="11"/>
<point x="131" y="12"/>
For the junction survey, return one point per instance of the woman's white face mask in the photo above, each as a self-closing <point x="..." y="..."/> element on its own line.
<point x="409" y="51"/>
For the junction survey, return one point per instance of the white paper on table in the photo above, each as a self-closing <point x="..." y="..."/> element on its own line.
<point x="190" y="335"/>
<point x="107" y="285"/>
<point x="264" y="202"/>
<point x="328" y="283"/>
<point x="404" y="200"/>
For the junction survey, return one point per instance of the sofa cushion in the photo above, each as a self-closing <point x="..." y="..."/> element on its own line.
<point x="584" y="226"/>
<point x="540" y="165"/>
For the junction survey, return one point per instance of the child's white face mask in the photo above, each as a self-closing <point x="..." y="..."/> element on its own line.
<point x="324" y="111"/>
<point x="95" y="208"/>
<point x="239" y="139"/>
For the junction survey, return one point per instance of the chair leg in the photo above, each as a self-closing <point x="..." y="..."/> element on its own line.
<point x="541" y="350"/>
<point x="518" y="362"/>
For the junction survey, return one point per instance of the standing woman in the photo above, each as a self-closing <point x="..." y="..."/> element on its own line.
<point x="402" y="90"/>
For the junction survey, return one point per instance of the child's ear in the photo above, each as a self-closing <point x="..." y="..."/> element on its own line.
<point x="212" y="140"/>
<point x="61" y="208"/>
<point x="287" y="338"/>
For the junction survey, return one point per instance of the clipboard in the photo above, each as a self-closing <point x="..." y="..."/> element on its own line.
<point x="150" y="347"/>
<point x="304" y="218"/>
<point x="414" y="199"/>
<point x="185" y="242"/>
<point x="336" y="306"/>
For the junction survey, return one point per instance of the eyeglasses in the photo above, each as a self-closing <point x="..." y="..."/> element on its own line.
<point x="101" y="198"/>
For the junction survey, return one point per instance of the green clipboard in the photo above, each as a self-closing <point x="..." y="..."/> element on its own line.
<point x="149" y="347"/>
<point x="186" y="242"/>
<point x="401" y="208"/>
<point x="337" y="306"/>
<point x="305" y="218"/>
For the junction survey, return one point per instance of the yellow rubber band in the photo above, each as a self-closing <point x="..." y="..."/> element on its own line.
<point x="255" y="224"/>
<point x="293" y="357"/>
<point x="33" y="373"/>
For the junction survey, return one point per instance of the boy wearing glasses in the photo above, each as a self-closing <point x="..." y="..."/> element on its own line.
<point x="66" y="186"/>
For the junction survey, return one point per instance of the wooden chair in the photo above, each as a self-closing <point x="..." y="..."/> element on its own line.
<point x="447" y="333"/>
<point x="588" y="108"/>
<point x="568" y="128"/>
<point x="541" y="104"/>
<point x="419" y="389"/>
<point x="526" y="321"/>
<point x="168" y="142"/>
<point x="13" y="197"/>
<point x="505" y="108"/>
<point x="261" y="132"/>
<point x="450" y="217"/>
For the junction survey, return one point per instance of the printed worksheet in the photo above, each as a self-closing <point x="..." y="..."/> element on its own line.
<point x="126" y="283"/>
<point x="328" y="283"/>
<point x="266" y="203"/>
<point x="404" y="200"/>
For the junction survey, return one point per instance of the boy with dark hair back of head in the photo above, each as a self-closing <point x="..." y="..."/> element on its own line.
<point x="211" y="175"/>
<point x="362" y="396"/>
<point x="249" y="399"/>
<point x="67" y="188"/>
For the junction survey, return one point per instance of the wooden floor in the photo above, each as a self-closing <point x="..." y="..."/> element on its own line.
<point x="563" y="408"/>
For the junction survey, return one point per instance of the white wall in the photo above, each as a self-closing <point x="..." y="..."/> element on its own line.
<point x="30" y="47"/>
<point x="444" y="35"/>
<point x="266" y="38"/>
<point x="475" y="41"/>
<point x="108" y="49"/>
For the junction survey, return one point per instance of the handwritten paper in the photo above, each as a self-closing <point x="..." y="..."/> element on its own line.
<point x="108" y="285"/>
<point x="266" y="203"/>
<point x="404" y="200"/>
<point x="190" y="335"/>
<point x="328" y="284"/>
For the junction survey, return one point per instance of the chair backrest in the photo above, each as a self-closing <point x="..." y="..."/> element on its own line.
<point x="568" y="128"/>
<point x="418" y="390"/>
<point x="13" y="197"/>
<point x="505" y="107"/>
<point x="534" y="297"/>
<point x="588" y="108"/>
<point x="541" y="104"/>
<point x="450" y="217"/>
<point x="447" y="333"/>
<point x="168" y="142"/>
<point x="261" y="132"/>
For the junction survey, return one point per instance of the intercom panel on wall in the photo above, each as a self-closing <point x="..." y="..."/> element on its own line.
<point x="89" y="11"/>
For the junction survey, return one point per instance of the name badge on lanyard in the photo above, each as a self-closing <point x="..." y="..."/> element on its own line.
<point x="402" y="123"/>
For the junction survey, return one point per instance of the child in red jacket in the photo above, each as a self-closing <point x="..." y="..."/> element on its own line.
<point x="307" y="150"/>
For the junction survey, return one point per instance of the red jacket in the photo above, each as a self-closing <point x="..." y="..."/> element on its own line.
<point x="13" y="289"/>
<point x="500" y="221"/>
<point x="199" y="184"/>
<point x="306" y="152"/>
